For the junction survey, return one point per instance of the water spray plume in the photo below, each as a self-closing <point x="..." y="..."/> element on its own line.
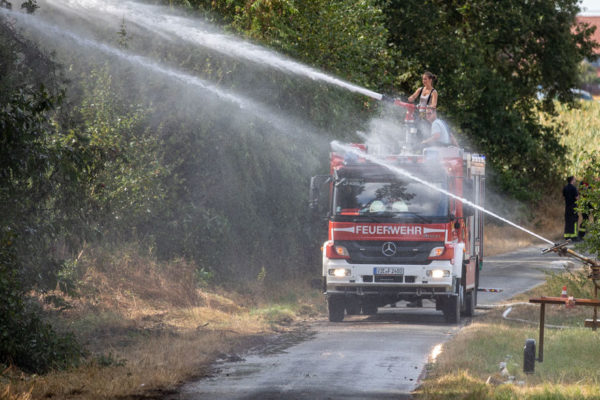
<point x="161" y="20"/>
<point x="400" y="171"/>
<point x="258" y="110"/>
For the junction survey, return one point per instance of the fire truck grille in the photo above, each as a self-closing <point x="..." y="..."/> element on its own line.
<point x="395" y="279"/>
<point x="372" y="252"/>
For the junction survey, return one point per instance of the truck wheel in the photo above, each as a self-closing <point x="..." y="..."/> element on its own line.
<point x="369" y="307"/>
<point x="352" y="306"/>
<point x="452" y="310"/>
<point x="335" y="304"/>
<point x="470" y="303"/>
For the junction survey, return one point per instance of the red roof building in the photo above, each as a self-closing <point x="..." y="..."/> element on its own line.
<point x="592" y="20"/>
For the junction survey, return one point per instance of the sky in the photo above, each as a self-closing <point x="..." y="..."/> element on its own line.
<point x="590" y="7"/>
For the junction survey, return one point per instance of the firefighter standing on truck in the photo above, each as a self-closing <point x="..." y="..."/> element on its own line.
<point x="426" y="95"/>
<point x="440" y="135"/>
<point x="571" y="195"/>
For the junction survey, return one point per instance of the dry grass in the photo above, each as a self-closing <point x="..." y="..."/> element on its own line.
<point x="155" y="363"/>
<point x="463" y="386"/>
<point x="468" y="367"/>
<point x="148" y="327"/>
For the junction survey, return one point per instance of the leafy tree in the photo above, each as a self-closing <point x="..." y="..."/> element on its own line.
<point x="492" y="61"/>
<point x="34" y="168"/>
<point x="211" y="182"/>
<point x="589" y="204"/>
<point x="25" y="340"/>
<point x="347" y="39"/>
<point x="26" y="170"/>
<point x="350" y="39"/>
<point x="125" y="171"/>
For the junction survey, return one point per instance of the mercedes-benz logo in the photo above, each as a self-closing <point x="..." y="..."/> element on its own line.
<point x="388" y="249"/>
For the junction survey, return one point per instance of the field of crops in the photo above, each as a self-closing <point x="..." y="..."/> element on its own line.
<point x="582" y="139"/>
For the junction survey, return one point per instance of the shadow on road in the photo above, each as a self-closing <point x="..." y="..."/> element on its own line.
<point x="426" y="315"/>
<point x="324" y="394"/>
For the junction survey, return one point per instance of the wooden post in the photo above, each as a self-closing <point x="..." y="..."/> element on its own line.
<point x="542" y="301"/>
<point x="541" y="346"/>
<point x="595" y="307"/>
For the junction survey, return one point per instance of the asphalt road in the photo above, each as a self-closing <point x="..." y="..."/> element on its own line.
<point x="377" y="357"/>
<point x="516" y="272"/>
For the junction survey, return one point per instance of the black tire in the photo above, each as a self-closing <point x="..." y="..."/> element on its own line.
<point x="462" y="292"/>
<point x="335" y="304"/>
<point x="352" y="306"/>
<point x="529" y="356"/>
<point x="452" y="305"/>
<point x="452" y="310"/>
<point x="470" y="303"/>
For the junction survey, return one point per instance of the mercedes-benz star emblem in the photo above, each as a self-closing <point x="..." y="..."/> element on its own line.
<point x="388" y="249"/>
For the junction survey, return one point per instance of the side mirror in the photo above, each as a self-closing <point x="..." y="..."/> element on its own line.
<point x="318" y="198"/>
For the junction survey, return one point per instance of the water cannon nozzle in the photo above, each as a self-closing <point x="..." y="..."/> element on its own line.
<point x="558" y="247"/>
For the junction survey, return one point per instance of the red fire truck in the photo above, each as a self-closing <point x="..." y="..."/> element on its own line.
<point x="398" y="229"/>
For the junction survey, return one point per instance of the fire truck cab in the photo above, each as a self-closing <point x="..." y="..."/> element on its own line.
<point x="401" y="227"/>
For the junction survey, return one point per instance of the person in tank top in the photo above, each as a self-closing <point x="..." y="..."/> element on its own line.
<point x="426" y="96"/>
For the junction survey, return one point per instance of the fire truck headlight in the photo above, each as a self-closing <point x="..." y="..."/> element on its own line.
<point x="436" y="252"/>
<point x="438" y="273"/>
<point x="339" y="272"/>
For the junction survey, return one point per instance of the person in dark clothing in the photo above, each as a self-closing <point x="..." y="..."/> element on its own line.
<point x="571" y="195"/>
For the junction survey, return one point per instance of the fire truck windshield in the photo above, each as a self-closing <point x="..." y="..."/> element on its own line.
<point x="398" y="200"/>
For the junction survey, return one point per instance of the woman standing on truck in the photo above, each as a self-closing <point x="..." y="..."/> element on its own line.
<point x="426" y="95"/>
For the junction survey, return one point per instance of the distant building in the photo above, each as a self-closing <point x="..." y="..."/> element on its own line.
<point x="592" y="20"/>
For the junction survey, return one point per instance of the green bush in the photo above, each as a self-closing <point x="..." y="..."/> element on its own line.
<point x="25" y="340"/>
<point x="589" y="203"/>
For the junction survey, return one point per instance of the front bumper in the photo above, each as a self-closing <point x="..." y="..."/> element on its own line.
<point x="415" y="279"/>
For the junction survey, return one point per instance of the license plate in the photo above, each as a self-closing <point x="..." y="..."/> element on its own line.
<point x="388" y="271"/>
